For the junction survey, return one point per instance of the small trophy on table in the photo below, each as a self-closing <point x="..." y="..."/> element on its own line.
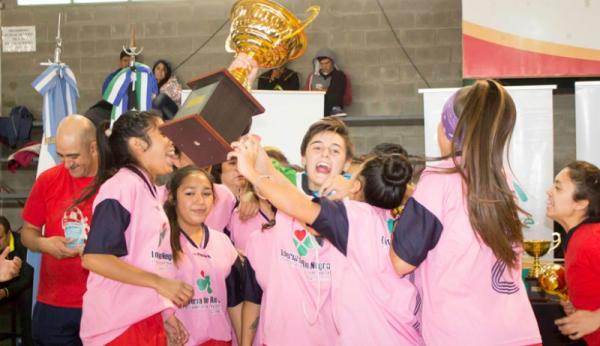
<point x="537" y="249"/>
<point x="219" y="109"/>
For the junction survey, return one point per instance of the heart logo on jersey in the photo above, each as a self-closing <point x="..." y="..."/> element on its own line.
<point x="303" y="241"/>
<point x="204" y="283"/>
<point x="300" y="234"/>
<point x="390" y="224"/>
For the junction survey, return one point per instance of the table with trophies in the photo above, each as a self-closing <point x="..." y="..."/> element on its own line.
<point x="546" y="286"/>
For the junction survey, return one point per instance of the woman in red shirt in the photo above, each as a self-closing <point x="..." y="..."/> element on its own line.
<point x="574" y="202"/>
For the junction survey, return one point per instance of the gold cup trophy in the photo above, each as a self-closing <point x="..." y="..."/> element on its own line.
<point x="267" y="33"/>
<point x="219" y="109"/>
<point x="537" y="249"/>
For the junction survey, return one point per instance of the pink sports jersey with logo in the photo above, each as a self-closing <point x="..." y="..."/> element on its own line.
<point x="241" y="230"/>
<point x="110" y="307"/>
<point x="206" y="267"/>
<point x="372" y="304"/>
<point x="294" y="272"/>
<point x="469" y="296"/>
<point x="220" y="215"/>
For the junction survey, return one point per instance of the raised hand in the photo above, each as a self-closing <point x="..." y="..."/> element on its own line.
<point x="8" y="268"/>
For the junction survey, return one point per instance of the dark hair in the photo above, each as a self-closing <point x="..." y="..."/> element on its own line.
<point x="484" y="129"/>
<point x="384" y="179"/>
<point x="215" y="172"/>
<point x="330" y="124"/>
<point x="123" y="54"/>
<point x="113" y="150"/>
<point x="586" y="177"/>
<point x="389" y="148"/>
<point x="168" y="71"/>
<point x="171" y="203"/>
<point x="5" y="223"/>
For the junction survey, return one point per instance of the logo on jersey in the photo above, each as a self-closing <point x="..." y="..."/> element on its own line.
<point x="204" y="283"/>
<point x="304" y="241"/>
<point x="390" y="225"/>
<point x="76" y="227"/>
<point x="162" y="235"/>
<point x="499" y="284"/>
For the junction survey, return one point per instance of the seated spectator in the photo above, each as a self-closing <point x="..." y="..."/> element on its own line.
<point x="329" y="78"/>
<point x="280" y="78"/>
<point x="17" y="289"/>
<point x="167" y="82"/>
<point x="124" y="61"/>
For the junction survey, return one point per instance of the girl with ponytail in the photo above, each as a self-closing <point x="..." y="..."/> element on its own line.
<point x="461" y="229"/>
<point x="370" y="303"/>
<point x="131" y="281"/>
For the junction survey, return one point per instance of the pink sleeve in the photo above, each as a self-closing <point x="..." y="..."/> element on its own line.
<point x="220" y="215"/>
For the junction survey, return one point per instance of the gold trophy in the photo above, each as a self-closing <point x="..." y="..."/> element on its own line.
<point x="552" y="280"/>
<point x="537" y="249"/>
<point x="267" y="33"/>
<point x="219" y="109"/>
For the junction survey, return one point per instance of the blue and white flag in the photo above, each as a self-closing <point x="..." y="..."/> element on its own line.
<point x="58" y="86"/>
<point x="117" y="92"/>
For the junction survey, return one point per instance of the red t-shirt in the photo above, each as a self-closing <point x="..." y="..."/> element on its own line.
<point x="582" y="261"/>
<point x="62" y="282"/>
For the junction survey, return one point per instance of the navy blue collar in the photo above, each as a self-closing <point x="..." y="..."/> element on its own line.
<point x="191" y="241"/>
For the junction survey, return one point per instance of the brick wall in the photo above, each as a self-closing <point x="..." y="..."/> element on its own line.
<point x="384" y="81"/>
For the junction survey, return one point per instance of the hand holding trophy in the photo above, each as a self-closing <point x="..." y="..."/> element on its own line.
<point x="263" y="34"/>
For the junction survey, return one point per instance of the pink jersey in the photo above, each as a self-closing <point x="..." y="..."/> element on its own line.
<point x="372" y="304"/>
<point x="241" y="230"/>
<point x="294" y="272"/>
<point x="220" y="215"/>
<point x="469" y="296"/>
<point x="128" y="221"/>
<point x="206" y="267"/>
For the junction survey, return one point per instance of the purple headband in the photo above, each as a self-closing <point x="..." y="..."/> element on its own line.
<point x="449" y="117"/>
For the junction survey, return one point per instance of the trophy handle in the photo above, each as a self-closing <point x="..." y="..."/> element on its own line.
<point x="556" y="240"/>
<point x="314" y="13"/>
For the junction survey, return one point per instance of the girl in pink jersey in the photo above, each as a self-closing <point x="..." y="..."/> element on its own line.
<point x="241" y="229"/>
<point x="131" y="279"/>
<point x="370" y="303"/>
<point x="461" y="229"/>
<point x="204" y="258"/>
<point x="288" y="270"/>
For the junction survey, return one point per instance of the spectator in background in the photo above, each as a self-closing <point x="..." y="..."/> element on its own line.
<point x="280" y="78"/>
<point x="124" y="61"/>
<point x="17" y="289"/>
<point x="50" y="204"/>
<point x="329" y="78"/>
<point x="167" y="82"/>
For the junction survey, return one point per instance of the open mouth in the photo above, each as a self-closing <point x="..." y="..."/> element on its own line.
<point x="323" y="168"/>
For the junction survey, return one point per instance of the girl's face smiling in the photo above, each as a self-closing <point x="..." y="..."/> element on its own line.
<point x="325" y="156"/>
<point x="195" y="198"/>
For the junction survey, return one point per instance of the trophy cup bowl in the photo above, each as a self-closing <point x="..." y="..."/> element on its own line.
<point x="552" y="280"/>
<point x="537" y="249"/>
<point x="267" y="32"/>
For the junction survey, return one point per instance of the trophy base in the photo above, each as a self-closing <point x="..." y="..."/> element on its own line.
<point x="534" y="290"/>
<point x="217" y="112"/>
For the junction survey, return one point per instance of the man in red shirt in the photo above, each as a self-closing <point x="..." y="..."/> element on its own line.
<point x="57" y="314"/>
